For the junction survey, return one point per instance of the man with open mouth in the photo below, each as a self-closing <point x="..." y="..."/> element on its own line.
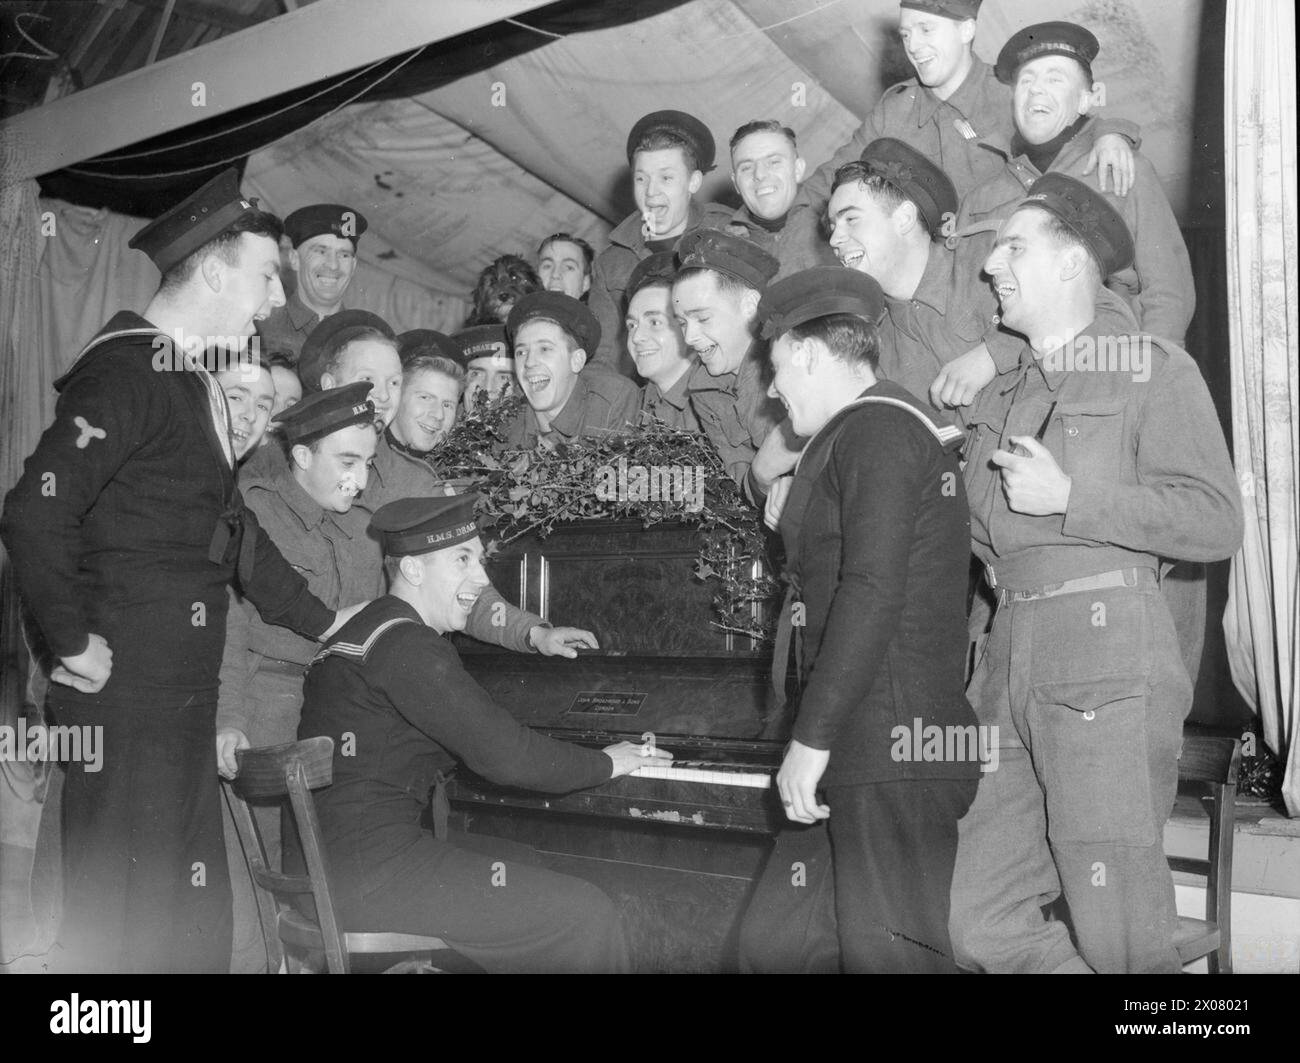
<point x="715" y="299"/>
<point x="395" y="684"/>
<point x="324" y="259"/>
<point x="954" y="101"/>
<point x="551" y="335"/>
<point x="1082" y="478"/>
<point x="305" y="505"/>
<point x="668" y="153"/>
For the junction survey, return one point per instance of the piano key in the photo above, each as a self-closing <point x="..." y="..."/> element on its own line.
<point x="714" y="777"/>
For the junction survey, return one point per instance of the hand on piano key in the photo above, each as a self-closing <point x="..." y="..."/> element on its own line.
<point x="629" y="756"/>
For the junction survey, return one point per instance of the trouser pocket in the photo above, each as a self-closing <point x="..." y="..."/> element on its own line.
<point x="1090" y="753"/>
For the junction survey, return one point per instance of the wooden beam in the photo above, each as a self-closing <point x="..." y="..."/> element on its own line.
<point x="279" y="55"/>
<point x="162" y="30"/>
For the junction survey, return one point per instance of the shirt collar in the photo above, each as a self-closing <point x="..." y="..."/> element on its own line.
<point x="303" y="506"/>
<point x="935" y="284"/>
<point x="568" y="422"/>
<point x="964" y="100"/>
<point x="303" y="318"/>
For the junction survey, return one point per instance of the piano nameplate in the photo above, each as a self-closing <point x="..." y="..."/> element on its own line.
<point x="606" y="703"/>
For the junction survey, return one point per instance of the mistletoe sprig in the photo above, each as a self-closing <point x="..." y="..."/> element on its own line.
<point x="528" y="491"/>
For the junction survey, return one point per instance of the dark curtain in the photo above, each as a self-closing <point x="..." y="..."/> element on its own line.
<point x="1217" y="703"/>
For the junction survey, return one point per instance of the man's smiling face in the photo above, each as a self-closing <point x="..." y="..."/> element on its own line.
<point x="662" y="187"/>
<point x="937" y="47"/>
<point x="1049" y="94"/>
<point x="717" y="323"/>
<point x="863" y="236"/>
<point x="546" y="367"/>
<point x="324" y="265"/>
<point x="766" y="171"/>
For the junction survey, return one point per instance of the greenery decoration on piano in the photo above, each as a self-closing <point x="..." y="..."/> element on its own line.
<point x="530" y="491"/>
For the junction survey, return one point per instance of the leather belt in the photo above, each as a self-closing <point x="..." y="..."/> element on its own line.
<point x="1122" y="577"/>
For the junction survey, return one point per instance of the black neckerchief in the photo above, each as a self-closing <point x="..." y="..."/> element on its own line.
<point x="1043" y="155"/>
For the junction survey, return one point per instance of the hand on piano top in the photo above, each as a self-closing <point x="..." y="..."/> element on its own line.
<point x="562" y="641"/>
<point x="628" y="756"/>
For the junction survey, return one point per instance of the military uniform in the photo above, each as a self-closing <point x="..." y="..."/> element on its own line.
<point x="1159" y="284"/>
<point x="263" y="665"/>
<point x="123" y="545"/>
<point x="1081" y="670"/>
<point x="796" y="247"/>
<point x="287" y="327"/>
<point x="735" y="412"/>
<point x="876" y="534"/>
<point x="671" y="407"/>
<point x="602" y="403"/>
<point x="612" y="269"/>
<point x="402" y="711"/>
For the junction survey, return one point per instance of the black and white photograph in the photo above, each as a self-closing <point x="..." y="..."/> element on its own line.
<point x="705" y="487"/>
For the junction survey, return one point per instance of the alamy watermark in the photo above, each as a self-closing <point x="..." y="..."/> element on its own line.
<point x="921" y="743"/>
<point x="683" y="484"/>
<point x="1100" y="354"/>
<point x="39" y="742"/>
<point x="182" y="352"/>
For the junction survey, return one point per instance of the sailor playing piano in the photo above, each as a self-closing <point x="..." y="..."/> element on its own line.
<point x="876" y="530"/>
<point x="392" y="693"/>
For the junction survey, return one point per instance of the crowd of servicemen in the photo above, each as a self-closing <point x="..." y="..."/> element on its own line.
<point x="868" y="347"/>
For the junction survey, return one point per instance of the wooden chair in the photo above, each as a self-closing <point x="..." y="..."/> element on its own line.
<point x="295" y="769"/>
<point x="1214" y="761"/>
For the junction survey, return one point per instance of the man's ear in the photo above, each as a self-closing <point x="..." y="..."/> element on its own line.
<point x="1094" y="97"/>
<point x="1073" y="262"/>
<point x="412" y="569"/>
<point x="301" y="455"/>
<point x="906" y="217"/>
<point x="327" y="382"/>
<point x="586" y="283"/>
<point x="212" y="270"/>
<point x="697" y="179"/>
<point x="577" y="359"/>
<point x="800" y="165"/>
<point x="294" y="259"/>
<point x="749" y="304"/>
<point x="967" y="30"/>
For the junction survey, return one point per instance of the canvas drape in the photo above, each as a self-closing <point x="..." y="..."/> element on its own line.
<point x="1262" y="622"/>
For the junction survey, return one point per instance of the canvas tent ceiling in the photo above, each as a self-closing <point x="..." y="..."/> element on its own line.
<point x="504" y="150"/>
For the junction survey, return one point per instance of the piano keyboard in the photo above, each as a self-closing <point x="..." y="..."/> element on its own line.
<point x="702" y="772"/>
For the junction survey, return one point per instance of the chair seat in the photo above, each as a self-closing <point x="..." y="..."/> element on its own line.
<point x="1195" y="938"/>
<point x="302" y="932"/>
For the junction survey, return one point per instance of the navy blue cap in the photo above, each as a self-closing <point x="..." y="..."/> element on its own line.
<point x="426" y="341"/>
<point x="915" y="176"/>
<point x="657" y="268"/>
<point x="331" y="334"/>
<point x="1046" y="38"/>
<point x="680" y="124"/>
<point x="482" y="341"/>
<point x="320" y="218"/>
<point x="565" y="311"/>
<point x="194" y="221"/>
<point x="326" y="412"/>
<point x="819" y="292"/>
<point x="1088" y="215"/>
<point x="736" y="257"/>
<point x="411" y="526"/>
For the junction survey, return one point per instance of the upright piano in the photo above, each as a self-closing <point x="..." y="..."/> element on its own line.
<point x="677" y="848"/>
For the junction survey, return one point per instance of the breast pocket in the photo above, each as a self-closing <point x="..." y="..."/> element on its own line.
<point x="1092" y="437"/>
